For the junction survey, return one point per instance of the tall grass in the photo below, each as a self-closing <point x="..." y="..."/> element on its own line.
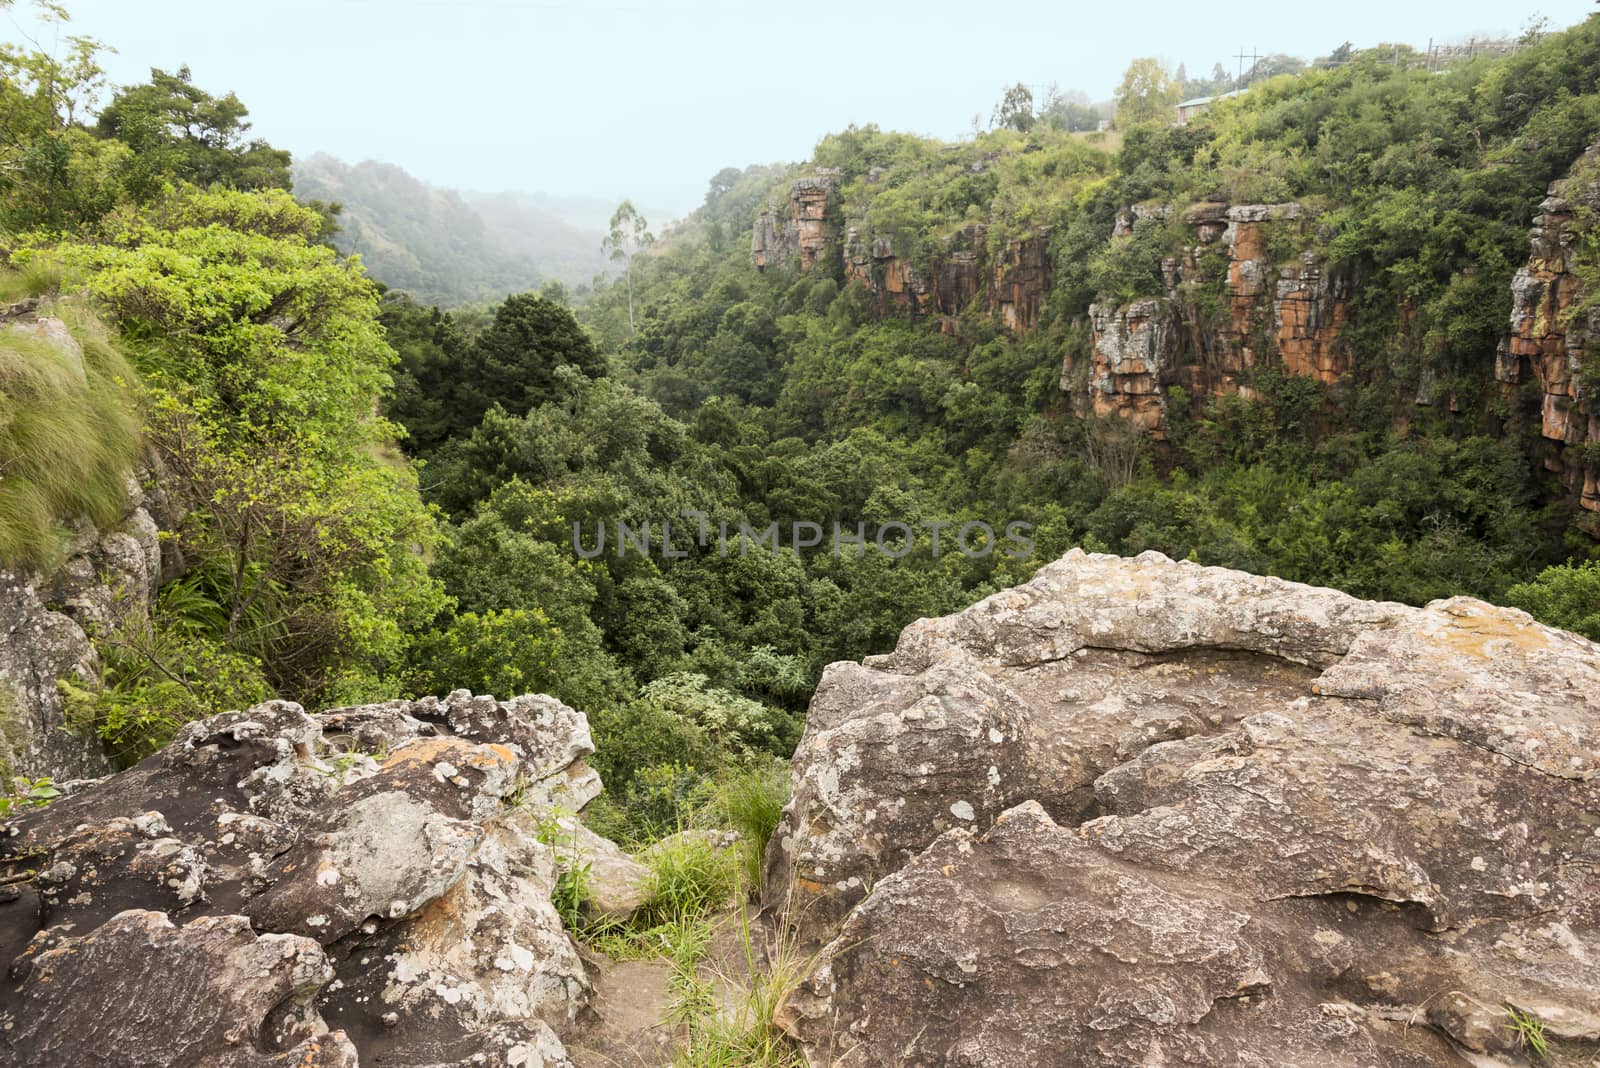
<point x="750" y="801"/>
<point x="68" y="438"/>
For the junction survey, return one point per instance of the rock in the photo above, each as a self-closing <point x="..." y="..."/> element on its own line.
<point x="1546" y="343"/>
<point x="617" y="884"/>
<point x="1286" y="314"/>
<point x="105" y="578"/>
<point x="403" y="837"/>
<point x="491" y="949"/>
<point x="1138" y="812"/>
<point x="802" y="232"/>
<point x="136" y="991"/>
<point x="393" y="843"/>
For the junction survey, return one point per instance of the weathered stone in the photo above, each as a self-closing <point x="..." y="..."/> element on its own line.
<point x="617" y="884"/>
<point x="491" y="949"/>
<point x="138" y="992"/>
<point x="802" y="232"/>
<point x="1220" y="819"/>
<point x="1547" y="342"/>
<point x="394" y="842"/>
<point x="405" y="833"/>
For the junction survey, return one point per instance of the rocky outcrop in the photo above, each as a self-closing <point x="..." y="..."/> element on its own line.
<point x="1141" y="812"/>
<point x="802" y="230"/>
<point x="104" y="578"/>
<point x="1548" y="339"/>
<point x="1229" y="306"/>
<point x="1020" y="280"/>
<point x="277" y="888"/>
<point x="1011" y="284"/>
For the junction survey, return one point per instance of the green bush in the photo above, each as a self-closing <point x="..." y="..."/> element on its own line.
<point x="1565" y="596"/>
<point x="690" y="877"/>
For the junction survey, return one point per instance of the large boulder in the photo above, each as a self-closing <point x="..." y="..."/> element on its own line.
<point x="140" y="992"/>
<point x="378" y="868"/>
<point x="1144" y="812"/>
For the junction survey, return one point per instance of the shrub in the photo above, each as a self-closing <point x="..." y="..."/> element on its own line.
<point x="1565" y="596"/>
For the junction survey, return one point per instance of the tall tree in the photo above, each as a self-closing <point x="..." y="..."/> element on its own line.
<point x="1148" y="93"/>
<point x="1015" y="110"/>
<point x="178" y="130"/>
<point x="630" y="234"/>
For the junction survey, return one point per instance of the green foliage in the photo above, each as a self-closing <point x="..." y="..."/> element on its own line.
<point x="261" y="361"/>
<point x="750" y="800"/>
<point x="1565" y="596"/>
<point x="690" y="877"/>
<point x="69" y="435"/>
<point x="24" y="793"/>
<point x="175" y="128"/>
<point x="1528" y="1030"/>
<point x="1147" y="94"/>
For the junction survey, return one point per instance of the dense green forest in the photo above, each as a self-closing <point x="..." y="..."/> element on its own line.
<point x="383" y="496"/>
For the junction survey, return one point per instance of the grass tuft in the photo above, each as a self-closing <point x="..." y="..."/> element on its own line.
<point x="690" y="877"/>
<point x="1529" y="1031"/>
<point x="750" y="801"/>
<point x="69" y="436"/>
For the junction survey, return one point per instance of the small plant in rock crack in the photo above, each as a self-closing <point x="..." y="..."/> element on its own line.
<point x="27" y="793"/>
<point x="571" y="891"/>
<point x="1529" y="1030"/>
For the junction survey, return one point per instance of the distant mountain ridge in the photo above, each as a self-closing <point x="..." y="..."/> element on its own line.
<point x="450" y="248"/>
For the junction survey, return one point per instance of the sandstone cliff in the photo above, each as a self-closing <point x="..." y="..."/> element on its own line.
<point x="1229" y="308"/>
<point x="1010" y="284"/>
<point x="1140" y="812"/>
<point x="1547" y="340"/>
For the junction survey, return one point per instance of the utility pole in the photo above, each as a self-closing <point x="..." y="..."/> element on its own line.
<point x="1241" y="57"/>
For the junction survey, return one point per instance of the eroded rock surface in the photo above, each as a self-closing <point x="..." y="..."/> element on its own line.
<point x="1143" y="812"/>
<point x="378" y="870"/>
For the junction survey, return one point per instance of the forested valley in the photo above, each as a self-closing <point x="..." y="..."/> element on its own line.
<point x="383" y="495"/>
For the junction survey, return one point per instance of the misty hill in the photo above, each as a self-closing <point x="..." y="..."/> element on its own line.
<point x="436" y="244"/>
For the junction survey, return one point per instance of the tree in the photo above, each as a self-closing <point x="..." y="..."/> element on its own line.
<point x="1148" y="93"/>
<point x="1015" y="110"/>
<point x="630" y="234"/>
<point x="179" y="131"/>
<point x="513" y="363"/>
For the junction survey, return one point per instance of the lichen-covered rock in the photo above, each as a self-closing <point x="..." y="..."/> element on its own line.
<point x="139" y="992"/>
<point x="490" y="949"/>
<point x="1140" y="812"/>
<point x="404" y="837"/>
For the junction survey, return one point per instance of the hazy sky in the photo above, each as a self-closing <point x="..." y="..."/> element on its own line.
<point x="649" y="99"/>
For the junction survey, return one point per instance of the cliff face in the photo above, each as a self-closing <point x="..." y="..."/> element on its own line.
<point x="800" y="231"/>
<point x="1010" y="284"/>
<point x="105" y="577"/>
<point x="1229" y="307"/>
<point x="1547" y="340"/>
<point x="1139" y="812"/>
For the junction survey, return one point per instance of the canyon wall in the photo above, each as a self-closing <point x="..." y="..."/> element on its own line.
<point x="1010" y="283"/>
<point x="1229" y="306"/>
<point x="1547" y="340"/>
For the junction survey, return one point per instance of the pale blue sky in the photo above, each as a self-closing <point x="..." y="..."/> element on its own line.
<point x="649" y="99"/>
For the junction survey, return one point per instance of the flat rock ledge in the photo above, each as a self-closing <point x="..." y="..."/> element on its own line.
<point x="1140" y="812"/>
<point x="367" y="885"/>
